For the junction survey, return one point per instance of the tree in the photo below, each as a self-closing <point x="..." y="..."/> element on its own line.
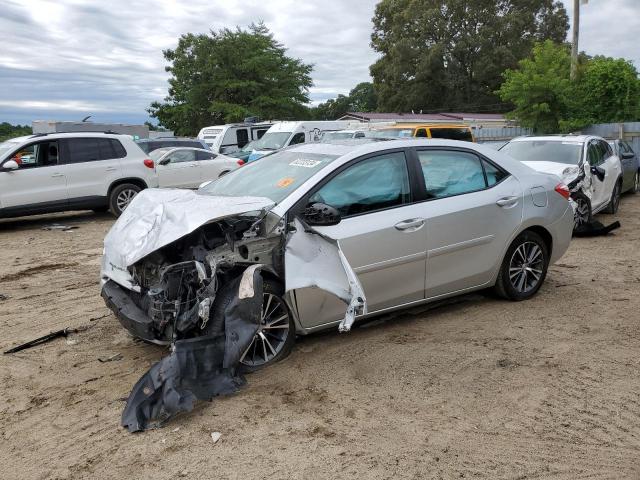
<point x="540" y="88"/>
<point x="545" y="99"/>
<point x="362" y="98"/>
<point x="8" y="131"/>
<point x="229" y="75"/>
<point x="450" y="54"/>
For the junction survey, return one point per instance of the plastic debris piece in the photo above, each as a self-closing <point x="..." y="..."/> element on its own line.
<point x="215" y="436"/>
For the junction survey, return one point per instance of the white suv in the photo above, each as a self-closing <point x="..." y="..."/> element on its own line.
<point x="56" y="172"/>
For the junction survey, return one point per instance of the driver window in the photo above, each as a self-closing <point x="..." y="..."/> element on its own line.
<point x="41" y="154"/>
<point x="297" y="138"/>
<point x="594" y="155"/>
<point x="372" y="184"/>
<point x="182" y="156"/>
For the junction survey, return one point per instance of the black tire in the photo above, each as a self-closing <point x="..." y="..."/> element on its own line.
<point x="516" y="267"/>
<point x="614" y="203"/>
<point x="120" y="197"/>
<point x="583" y="214"/>
<point x="226" y="293"/>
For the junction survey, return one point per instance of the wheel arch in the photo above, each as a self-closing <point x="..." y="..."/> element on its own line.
<point x="121" y="181"/>
<point x="544" y="234"/>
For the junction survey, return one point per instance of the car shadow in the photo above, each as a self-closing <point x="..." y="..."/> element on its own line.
<point x="64" y="218"/>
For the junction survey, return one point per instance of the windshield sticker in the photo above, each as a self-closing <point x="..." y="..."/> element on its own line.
<point x="285" y="182"/>
<point x="301" y="162"/>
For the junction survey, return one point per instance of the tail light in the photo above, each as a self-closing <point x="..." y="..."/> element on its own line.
<point x="241" y="162"/>
<point x="148" y="163"/>
<point x="563" y="190"/>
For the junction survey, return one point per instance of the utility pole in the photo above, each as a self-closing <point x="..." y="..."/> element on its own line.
<point x="576" y="33"/>
<point x="574" y="43"/>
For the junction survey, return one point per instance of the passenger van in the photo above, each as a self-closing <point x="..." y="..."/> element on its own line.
<point x="232" y="137"/>
<point x="284" y="134"/>
<point x="432" y="130"/>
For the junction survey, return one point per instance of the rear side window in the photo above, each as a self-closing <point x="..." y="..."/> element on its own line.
<point x="242" y="137"/>
<point x="373" y="184"/>
<point x="452" y="134"/>
<point x="81" y="150"/>
<point x="297" y="138"/>
<point x="205" y="155"/>
<point x="448" y="173"/>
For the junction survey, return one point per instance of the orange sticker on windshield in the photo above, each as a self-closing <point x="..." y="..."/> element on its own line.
<point x="285" y="182"/>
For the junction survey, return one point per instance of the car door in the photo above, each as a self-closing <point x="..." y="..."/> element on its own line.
<point x="38" y="182"/>
<point x="90" y="165"/>
<point x="381" y="233"/>
<point x="473" y="209"/>
<point x="179" y="169"/>
<point x="629" y="164"/>
<point x="210" y="166"/>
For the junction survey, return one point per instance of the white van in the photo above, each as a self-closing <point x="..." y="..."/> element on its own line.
<point x="283" y="134"/>
<point x="232" y="137"/>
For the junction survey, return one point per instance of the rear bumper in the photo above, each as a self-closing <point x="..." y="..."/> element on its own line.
<point x="131" y="317"/>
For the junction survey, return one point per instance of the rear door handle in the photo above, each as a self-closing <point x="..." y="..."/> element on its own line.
<point x="507" y="201"/>
<point x="111" y="169"/>
<point x="411" y="224"/>
<point x="57" y="175"/>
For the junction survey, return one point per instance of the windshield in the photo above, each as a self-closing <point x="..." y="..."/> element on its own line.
<point x="271" y="141"/>
<point x="544" y="151"/>
<point x="274" y="177"/>
<point x="393" y="132"/>
<point x="6" y="146"/>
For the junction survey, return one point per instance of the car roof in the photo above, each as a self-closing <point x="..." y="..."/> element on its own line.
<point x="169" y="139"/>
<point x="554" y="138"/>
<point x="59" y="135"/>
<point x="427" y="125"/>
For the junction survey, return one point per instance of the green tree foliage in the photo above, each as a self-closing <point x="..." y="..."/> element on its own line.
<point x="362" y="98"/>
<point x="450" y="54"/>
<point x="540" y="88"/>
<point x="607" y="90"/>
<point x="8" y="131"/>
<point x="229" y="75"/>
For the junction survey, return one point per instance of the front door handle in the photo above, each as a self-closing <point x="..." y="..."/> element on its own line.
<point x="507" y="202"/>
<point x="57" y="175"/>
<point x="111" y="169"/>
<point x="411" y="224"/>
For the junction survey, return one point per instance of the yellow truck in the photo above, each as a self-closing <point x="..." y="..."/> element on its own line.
<point x="427" y="130"/>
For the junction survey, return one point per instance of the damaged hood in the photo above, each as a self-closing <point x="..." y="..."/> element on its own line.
<point x="157" y="217"/>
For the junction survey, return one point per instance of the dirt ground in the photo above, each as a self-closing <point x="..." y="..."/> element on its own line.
<point x="479" y="388"/>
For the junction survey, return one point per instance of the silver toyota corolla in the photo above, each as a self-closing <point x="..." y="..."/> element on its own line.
<point x="336" y="232"/>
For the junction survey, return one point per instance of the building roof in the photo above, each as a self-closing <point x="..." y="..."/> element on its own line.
<point x="422" y="117"/>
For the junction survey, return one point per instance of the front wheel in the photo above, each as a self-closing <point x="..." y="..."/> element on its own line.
<point x="121" y="197"/>
<point x="523" y="268"/>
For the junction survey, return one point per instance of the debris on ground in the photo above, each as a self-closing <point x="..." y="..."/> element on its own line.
<point x="595" y="228"/>
<point x="112" y="358"/>
<point x="47" y="338"/>
<point x="4" y="297"/>
<point x="215" y="436"/>
<point x="60" y="227"/>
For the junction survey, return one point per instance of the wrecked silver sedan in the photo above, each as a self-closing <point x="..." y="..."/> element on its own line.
<point x="313" y="237"/>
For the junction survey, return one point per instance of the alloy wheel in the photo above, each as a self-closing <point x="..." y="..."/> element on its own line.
<point x="581" y="215"/>
<point x="526" y="267"/>
<point x="615" y="199"/>
<point x="636" y="183"/>
<point x="272" y="334"/>
<point x="124" y="198"/>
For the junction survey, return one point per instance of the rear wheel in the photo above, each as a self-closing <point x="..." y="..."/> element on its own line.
<point x="121" y="197"/>
<point x="523" y="268"/>
<point x="614" y="203"/>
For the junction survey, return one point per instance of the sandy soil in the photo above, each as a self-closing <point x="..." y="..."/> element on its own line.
<point x="478" y="388"/>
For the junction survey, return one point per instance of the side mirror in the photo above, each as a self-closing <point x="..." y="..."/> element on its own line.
<point x="10" y="165"/>
<point x="599" y="172"/>
<point x="627" y="155"/>
<point x="164" y="161"/>
<point x="321" y="215"/>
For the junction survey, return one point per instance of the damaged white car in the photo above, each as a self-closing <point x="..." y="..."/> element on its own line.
<point x="586" y="164"/>
<point x="313" y="237"/>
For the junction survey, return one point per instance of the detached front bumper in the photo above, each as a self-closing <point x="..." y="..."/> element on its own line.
<point x="131" y="317"/>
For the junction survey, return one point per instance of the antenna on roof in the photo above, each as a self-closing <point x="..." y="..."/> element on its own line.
<point x="86" y="118"/>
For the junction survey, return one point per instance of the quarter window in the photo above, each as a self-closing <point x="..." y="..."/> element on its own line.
<point x="205" y="155"/>
<point x="373" y="184"/>
<point x="493" y="173"/>
<point x="448" y="173"/>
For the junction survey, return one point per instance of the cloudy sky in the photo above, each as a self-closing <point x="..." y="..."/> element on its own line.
<point x="66" y="59"/>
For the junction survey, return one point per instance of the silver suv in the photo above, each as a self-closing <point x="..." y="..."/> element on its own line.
<point x="56" y="172"/>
